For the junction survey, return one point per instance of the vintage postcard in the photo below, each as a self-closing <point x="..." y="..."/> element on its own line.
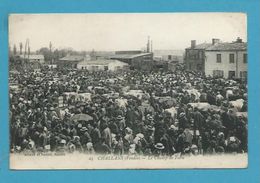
<point x="128" y="91"/>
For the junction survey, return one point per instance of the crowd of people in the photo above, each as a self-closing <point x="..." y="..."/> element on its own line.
<point x="127" y="112"/>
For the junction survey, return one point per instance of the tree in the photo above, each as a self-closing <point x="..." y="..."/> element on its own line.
<point x="14" y="50"/>
<point x="21" y="48"/>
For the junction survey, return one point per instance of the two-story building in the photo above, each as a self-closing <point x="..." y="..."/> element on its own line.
<point x="228" y="60"/>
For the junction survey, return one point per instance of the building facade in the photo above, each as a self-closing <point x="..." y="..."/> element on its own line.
<point x="194" y="58"/>
<point x="32" y="61"/>
<point x="102" y="65"/>
<point x="140" y="61"/>
<point x="70" y="61"/>
<point x="228" y="60"/>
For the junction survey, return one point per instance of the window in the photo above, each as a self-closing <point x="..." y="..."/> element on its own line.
<point x="243" y="74"/>
<point x="94" y="68"/>
<point x="201" y="55"/>
<point x="218" y="58"/>
<point x="245" y="58"/>
<point x="218" y="73"/>
<point x="231" y="58"/>
<point x="231" y="74"/>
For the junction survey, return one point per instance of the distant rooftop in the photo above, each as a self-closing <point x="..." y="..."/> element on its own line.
<point x="168" y="52"/>
<point x="101" y="62"/>
<point x="32" y="57"/>
<point x="201" y="46"/>
<point x="228" y="46"/>
<point x="72" y="58"/>
<point x="217" y="45"/>
<point x="129" y="56"/>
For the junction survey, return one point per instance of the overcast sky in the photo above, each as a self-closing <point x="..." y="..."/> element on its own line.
<point x="110" y="32"/>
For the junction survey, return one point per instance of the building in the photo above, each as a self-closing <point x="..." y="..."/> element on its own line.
<point x="228" y="60"/>
<point x="194" y="58"/>
<point x="70" y="61"/>
<point x="102" y="65"/>
<point x="32" y="61"/>
<point x="33" y="58"/>
<point x="135" y="59"/>
<point x="174" y="56"/>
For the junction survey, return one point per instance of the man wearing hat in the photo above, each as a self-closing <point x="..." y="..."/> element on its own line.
<point x="120" y="123"/>
<point x="158" y="151"/>
<point x="84" y="137"/>
<point x="183" y="121"/>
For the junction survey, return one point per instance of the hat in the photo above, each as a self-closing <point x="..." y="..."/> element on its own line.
<point x="128" y="130"/>
<point x="132" y="146"/>
<point x="89" y="145"/>
<point x="83" y="129"/>
<point x="232" y="139"/>
<point x="119" y="117"/>
<point x="47" y="147"/>
<point x="79" y="125"/>
<point x="194" y="147"/>
<point x="136" y="140"/>
<point x="182" y="114"/>
<point x="173" y="127"/>
<point x="150" y="128"/>
<point x="140" y="135"/>
<point x="221" y="134"/>
<point x="150" y="118"/>
<point x="21" y="99"/>
<point x="76" y="137"/>
<point x="159" y="146"/>
<point x="63" y="141"/>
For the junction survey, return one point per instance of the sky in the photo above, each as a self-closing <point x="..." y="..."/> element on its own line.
<point x="124" y="31"/>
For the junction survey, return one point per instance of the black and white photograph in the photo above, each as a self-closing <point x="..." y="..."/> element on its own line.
<point x="128" y="91"/>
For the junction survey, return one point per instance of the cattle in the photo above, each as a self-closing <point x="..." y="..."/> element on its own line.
<point x="237" y="104"/>
<point x="172" y="111"/>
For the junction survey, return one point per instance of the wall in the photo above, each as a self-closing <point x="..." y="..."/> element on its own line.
<point x="211" y="62"/>
<point x="144" y="62"/>
<point x="194" y="59"/>
<point x="90" y="67"/>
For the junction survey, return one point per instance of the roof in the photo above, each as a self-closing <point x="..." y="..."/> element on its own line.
<point x="201" y="46"/>
<point x="227" y="47"/>
<point x="168" y="52"/>
<point x="33" y="57"/>
<point x="129" y="56"/>
<point x="101" y="62"/>
<point x="72" y="58"/>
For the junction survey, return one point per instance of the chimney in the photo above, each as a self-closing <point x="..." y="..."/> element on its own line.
<point x="151" y="46"/>
<point x="215" y="41"/>
<point x="193" y="43"/>
<point x="239" y="40"/>
<point x="148" y="45"/>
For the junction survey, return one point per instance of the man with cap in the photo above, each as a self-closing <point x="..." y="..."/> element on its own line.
<point x="84" y="137"/>
<point x="120" y="123"/>
<point x="183" y="121"/>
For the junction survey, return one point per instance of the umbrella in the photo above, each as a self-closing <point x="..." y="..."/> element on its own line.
<point x="81" y="117"/>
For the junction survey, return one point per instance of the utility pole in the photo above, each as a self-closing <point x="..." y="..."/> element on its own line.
<point x="28" y="48"/>
<point x="14" y="50"/>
